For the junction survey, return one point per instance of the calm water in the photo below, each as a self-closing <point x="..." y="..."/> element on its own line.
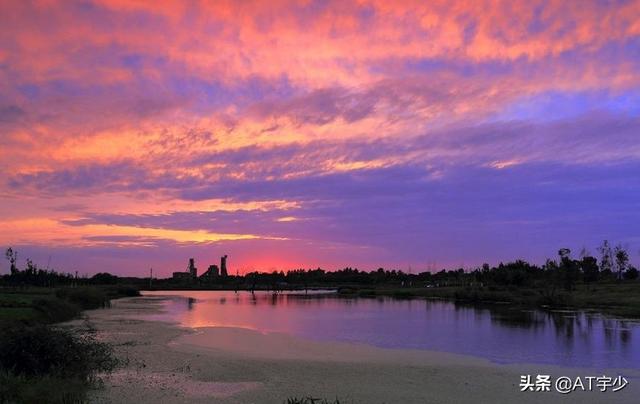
<point x="500" y="334"/>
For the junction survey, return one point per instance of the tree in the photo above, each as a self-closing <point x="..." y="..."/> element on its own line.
<point x="589" y="266"/>
<point x="104" y="278"/>
<point x="622" y="260"/>
<point x="584" y="252"/>
<point x="568" y="268"/>
<point x="12" y="257"/>
<point x="606" y="258"/>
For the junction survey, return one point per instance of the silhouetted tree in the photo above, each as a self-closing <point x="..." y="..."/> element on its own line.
<point x="12" y="257"/>
<point x="606" y="258"/>
<point x="622" y="260"/>
<point x="568" y="269"/>
<point x="590" y="270"/>
<point x="104" y="278"/>
<point x="32" y="275"/>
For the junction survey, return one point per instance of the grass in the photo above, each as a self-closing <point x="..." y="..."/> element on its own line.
<point x="43" y="363"/>
<point x="85" y="298"/>
<point x="620" y="299"/>
<point x="45" y="305"/>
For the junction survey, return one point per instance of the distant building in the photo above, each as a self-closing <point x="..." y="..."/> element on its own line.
<point x="181" y="276"/>
<point x="213" y="270"/>
<point x="223" y="266"/>
<point x="211" y="274"/>
<point x="192" y="268"/>
<point x="190" y="275"/>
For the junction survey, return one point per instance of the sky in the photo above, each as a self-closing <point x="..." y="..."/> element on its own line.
<point x="410" y="135"/>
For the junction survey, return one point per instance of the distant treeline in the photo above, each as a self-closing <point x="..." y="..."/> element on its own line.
<point x="32" y="275"/>
<point x="612" y="264"/>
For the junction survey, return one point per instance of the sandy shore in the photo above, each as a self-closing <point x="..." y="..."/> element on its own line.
<point x="171" y="364"/>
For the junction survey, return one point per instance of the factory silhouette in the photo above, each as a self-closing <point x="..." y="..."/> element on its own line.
<point x="212" y="274"/>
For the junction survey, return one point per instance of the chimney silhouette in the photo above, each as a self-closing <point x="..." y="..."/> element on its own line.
<point x="223" y="266"/>
<point x="192" y="268"/>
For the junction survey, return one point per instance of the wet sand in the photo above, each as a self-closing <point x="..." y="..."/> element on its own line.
<point x="171" y="364"/>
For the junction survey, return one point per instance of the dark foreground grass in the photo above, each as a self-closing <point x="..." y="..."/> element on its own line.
<point x="48" y="364"/>
<point x="44" y="363"/>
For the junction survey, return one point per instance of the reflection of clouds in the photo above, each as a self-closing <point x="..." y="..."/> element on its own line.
<point x="499" y="332"/>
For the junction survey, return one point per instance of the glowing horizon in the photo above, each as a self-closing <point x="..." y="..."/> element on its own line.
<point x="298" y="134"/>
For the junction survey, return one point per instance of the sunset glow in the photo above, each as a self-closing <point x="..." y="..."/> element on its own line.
<point x="298" y="134"/>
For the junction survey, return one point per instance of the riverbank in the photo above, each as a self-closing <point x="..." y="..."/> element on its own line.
<point x="41" y="360"/>
<point x="41" y="305"/>
<point x="618" y="299"/>
<point x="167" y="363"/>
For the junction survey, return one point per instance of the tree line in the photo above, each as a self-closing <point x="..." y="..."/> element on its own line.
<point x="565" y="271"/>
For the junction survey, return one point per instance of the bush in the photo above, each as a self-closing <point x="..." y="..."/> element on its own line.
<point x="45" y="350"/>
<point x="123" y="291"/>
<point x="86" y="298"/>
<point x="55" y="310"/>
<point x="631" y="274"/>
<point x="48" y="364"/>
<point x="46" y="389"/>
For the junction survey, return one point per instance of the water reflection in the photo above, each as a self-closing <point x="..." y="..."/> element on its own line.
<point x="501" y="333"/>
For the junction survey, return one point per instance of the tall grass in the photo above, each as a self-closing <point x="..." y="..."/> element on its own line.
<point x="53" y="310"/>
<point x="86" y="298"/>
<point x="41" y="363"/>
<point x="44" y="363"/>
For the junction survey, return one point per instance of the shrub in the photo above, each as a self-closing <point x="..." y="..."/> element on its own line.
<point x="47" y="364"/>
<point x="46" y="389"/>
<point x="124" y="291"/>
<point x="35" y="351"/>
<point x="55" y="310"/>
<point x="631" y="273"/>
<point x="86" y="298"/>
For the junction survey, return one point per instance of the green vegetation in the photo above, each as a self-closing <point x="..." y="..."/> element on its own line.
<point x="621" y="299"/>
<point x="37" y="305"/>
<point x="608" y="285"/>
<point x="42" y="363"/>
<point x="39" y="361"/>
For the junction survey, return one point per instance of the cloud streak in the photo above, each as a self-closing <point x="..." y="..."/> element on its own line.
<point x="295" y="133"/>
